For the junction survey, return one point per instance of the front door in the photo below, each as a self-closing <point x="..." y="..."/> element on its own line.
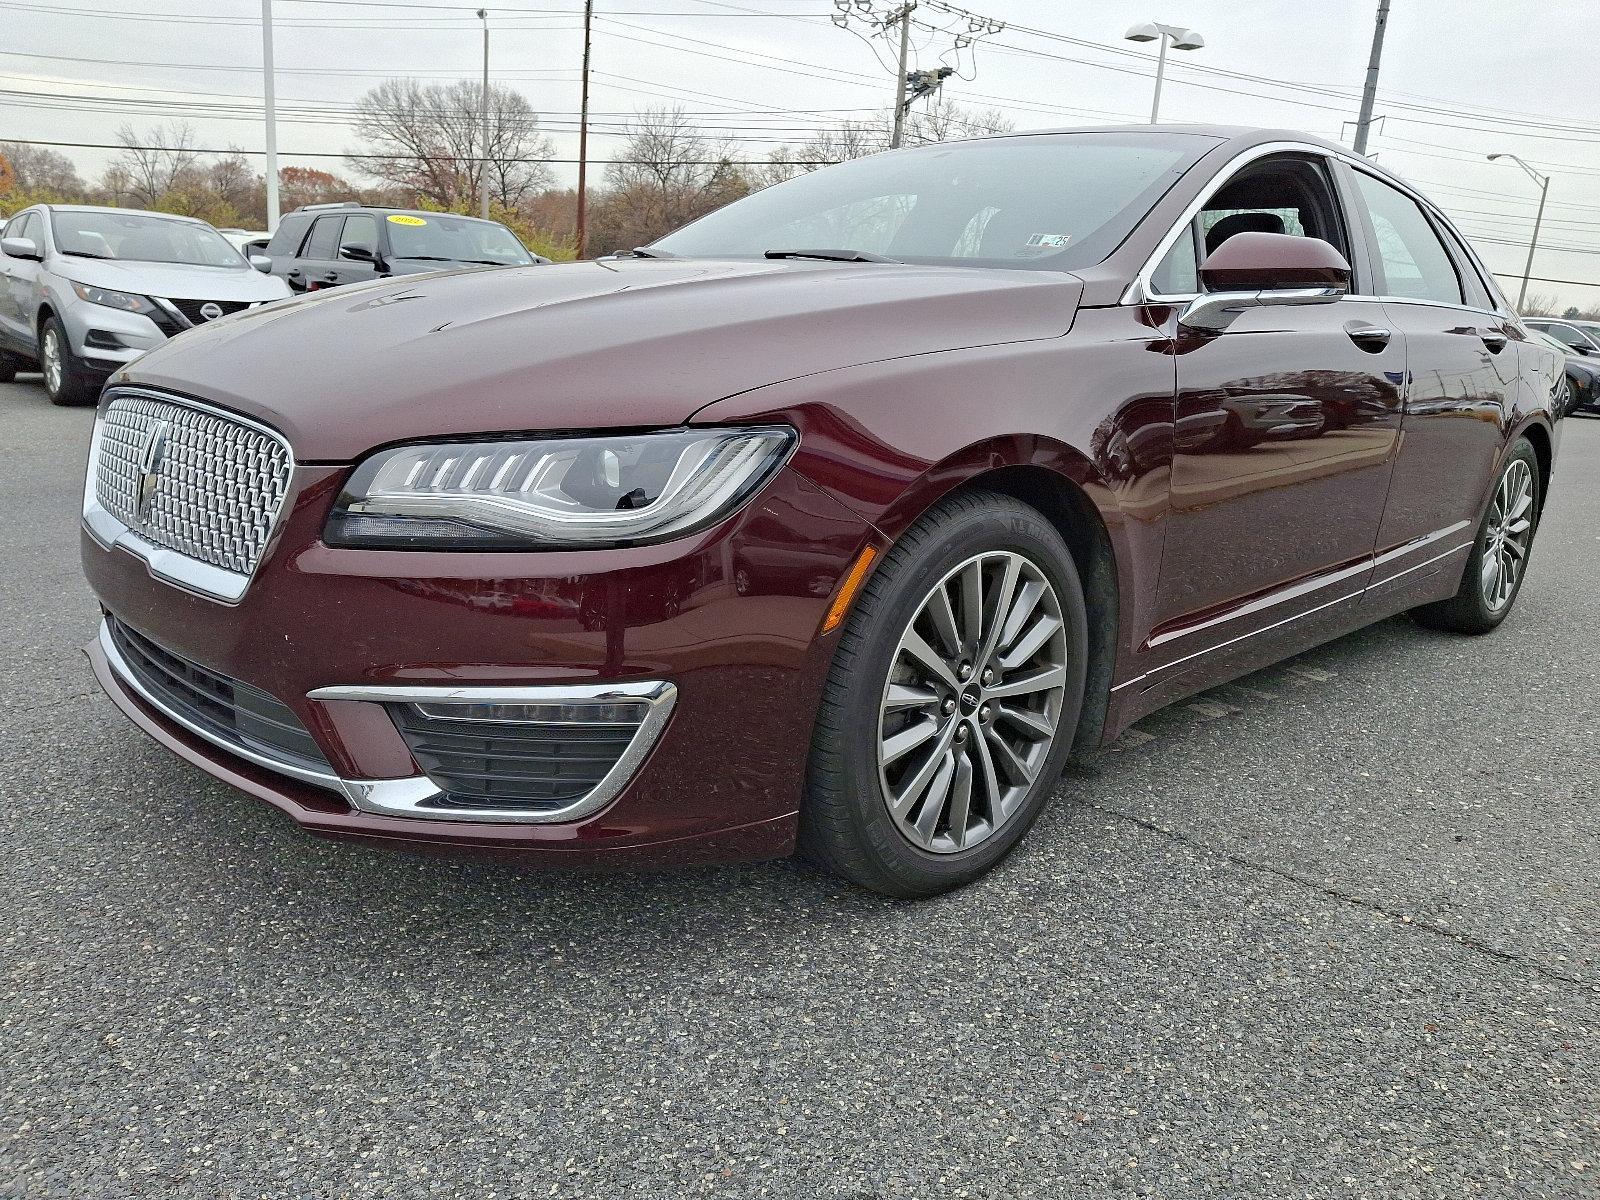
<point x="1285" y="432"/>
<point x="19" y="285"/>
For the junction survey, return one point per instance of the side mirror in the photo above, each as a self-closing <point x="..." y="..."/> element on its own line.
<point x="358" y="254"/>
<point x="19" y="247"/>
<point x="261" y="263"/>
<point x="1252" y="270"/>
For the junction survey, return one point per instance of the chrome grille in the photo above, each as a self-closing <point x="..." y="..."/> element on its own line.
<point x="196" y="481"/>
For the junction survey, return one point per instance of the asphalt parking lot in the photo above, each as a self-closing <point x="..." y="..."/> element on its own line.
<point x="1332" y="931"/>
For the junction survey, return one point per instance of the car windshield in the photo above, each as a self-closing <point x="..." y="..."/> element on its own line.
<point x="132" y="237"/>
<point x="453" y="239"/>
<point x="1048" y="201"/>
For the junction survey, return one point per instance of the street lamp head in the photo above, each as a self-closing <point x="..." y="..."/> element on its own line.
<point x="1188" y="40"/>
<point x="1492" y="157"/>
<point x="1143" y="32"/>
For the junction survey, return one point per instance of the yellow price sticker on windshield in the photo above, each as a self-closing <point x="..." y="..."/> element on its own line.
<point x="398" y="219"/>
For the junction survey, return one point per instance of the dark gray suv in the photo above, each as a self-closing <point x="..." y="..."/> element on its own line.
<point x="326" y="245"/>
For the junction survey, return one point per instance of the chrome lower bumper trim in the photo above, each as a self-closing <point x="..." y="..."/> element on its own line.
<point x="417" y="796"/>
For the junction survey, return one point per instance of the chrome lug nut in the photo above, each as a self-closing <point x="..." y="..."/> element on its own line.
<point x="964" y="670"/>
<point x="985" y="712"/>
<point x="988" y="676"/>
<point x="949" y="705"/>
<point x="961" y="734"/>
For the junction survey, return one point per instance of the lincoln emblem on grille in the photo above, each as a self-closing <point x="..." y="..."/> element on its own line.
<point x="150" y="455"/>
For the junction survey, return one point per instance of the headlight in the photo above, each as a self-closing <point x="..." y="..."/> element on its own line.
<point x="126" y="301"/>
<point x="554" y="493"/>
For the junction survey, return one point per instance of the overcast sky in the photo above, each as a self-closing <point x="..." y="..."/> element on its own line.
<point x="1459" y="80"/>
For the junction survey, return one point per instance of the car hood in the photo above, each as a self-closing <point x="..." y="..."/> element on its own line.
<point x="175" y="281"/>
<point x="628" y="343"/>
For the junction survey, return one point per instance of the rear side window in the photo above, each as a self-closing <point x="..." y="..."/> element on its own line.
<point x="1415" y="262"/>
<point x="287" y="239"/>
<point x="324" y="239"/>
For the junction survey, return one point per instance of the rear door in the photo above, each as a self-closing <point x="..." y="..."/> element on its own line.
<point x="317" y="265"/>
<point x="1461" y="372"/>
<point x="1285" y="430"/>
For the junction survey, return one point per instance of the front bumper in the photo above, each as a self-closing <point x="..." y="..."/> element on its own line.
<point x="727" y="619"/>
<point x="104" y="339"/>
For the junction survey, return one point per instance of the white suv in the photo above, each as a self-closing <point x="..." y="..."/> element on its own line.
<point x="86" y="290"/>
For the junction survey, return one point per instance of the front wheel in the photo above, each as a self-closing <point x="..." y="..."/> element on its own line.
<point x="1499" y="560"/>
<point x="64" y="380"/>
<point x="952" y="702"/>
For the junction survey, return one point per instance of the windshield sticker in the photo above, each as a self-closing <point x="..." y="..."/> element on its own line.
<point x="399" y="219"/>
<point x="1050" y="240"/>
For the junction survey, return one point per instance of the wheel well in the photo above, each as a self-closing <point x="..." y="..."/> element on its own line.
<point x="1065" y="505"/>
<point x="1539" y="438"/>
<point x="44" y="315"/>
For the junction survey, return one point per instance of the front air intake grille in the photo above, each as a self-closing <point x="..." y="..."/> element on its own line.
<point x="200" y="311"/>
<point x="197" y="481"/>
<point x="533" y="766"/>
<point x="231" y="712"/>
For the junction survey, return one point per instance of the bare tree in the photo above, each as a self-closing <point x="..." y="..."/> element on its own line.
<point x="429" y="140"/>
<point x="944" y="120"/>
<point x="38" y="169"/>
<point x="155" y="161"/>
<point x="667" y="174"/>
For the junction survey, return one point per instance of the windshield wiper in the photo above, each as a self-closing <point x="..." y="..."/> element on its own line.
<point x="84" y="254"/>
<point x="646" y="252"/>
<point x="831" y="255"/>
<point x="428" y="258"/>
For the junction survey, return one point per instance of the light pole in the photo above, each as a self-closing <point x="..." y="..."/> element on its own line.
<point x="483" y="163"/>
<point x="1533" y="243"/>
<point x="272" y="119"/>
<point x="1175" y="36"/>
<point x="904" y="17"/>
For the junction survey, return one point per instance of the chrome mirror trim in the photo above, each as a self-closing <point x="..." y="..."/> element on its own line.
<point x="1213" y="312"/>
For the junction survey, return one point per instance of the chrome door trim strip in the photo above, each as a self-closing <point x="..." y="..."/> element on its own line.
<point x="1296" y="590"/>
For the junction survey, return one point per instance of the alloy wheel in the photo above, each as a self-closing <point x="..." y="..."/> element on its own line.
<point x="52" y="366"/>
<point x="1508" y="537"/>
<point x="972" y="703"/>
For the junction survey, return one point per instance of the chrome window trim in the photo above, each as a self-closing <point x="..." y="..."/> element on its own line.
<point x="163" y="562"/>
<point x="1140" y="291"/>
<point x="410" y="795"/>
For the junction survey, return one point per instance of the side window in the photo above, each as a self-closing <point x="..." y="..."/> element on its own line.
<point x="360" y="231"/>
<point x="324" y="240"/>
<point x="27" y="226"/>
<point x="287" y="239"/>
<point x="1567" y="334"/>
<point x="1476" y="289"/>
<point x="1177" y="274"/>
<point x="1415" y="263"/>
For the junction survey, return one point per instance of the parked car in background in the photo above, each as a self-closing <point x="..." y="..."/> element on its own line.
<point x="1578" y="336"/>
<point x="86" y="290"/>
<point x="243" y="240"/>
<point x="326" y="245"/>
<point x="839" y="517"/>
<point x="1583" y="376"/>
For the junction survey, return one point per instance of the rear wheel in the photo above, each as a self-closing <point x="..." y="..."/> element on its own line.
<point x="1499" y="560"/>
<point x="65" y="382"/>
<point x="952" y="702"/>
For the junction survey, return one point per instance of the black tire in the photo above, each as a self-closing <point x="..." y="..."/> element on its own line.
<point x="72" y="385"/>
<point x="9" y="366"/>
<point x="845" y="824"/>
<point x="1469" y="610"/>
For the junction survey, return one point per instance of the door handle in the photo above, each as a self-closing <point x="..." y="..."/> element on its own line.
<point x="1369" y="337"/>
<point x="1493" y="339"/>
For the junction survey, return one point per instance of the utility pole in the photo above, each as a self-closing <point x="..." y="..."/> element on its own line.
<point x="272" y="116"/>
<point x="582" y="235"/>
<point x="483" y="163"/>
<point x="904" y="18"/>
<point x="1370" y="93"/>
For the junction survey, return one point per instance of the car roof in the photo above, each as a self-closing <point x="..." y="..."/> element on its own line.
<point x="127" y="212"/>
<point x="353" y="207"/>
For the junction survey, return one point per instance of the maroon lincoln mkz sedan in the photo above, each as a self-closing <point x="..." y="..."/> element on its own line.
<point x="837" y="519"/>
